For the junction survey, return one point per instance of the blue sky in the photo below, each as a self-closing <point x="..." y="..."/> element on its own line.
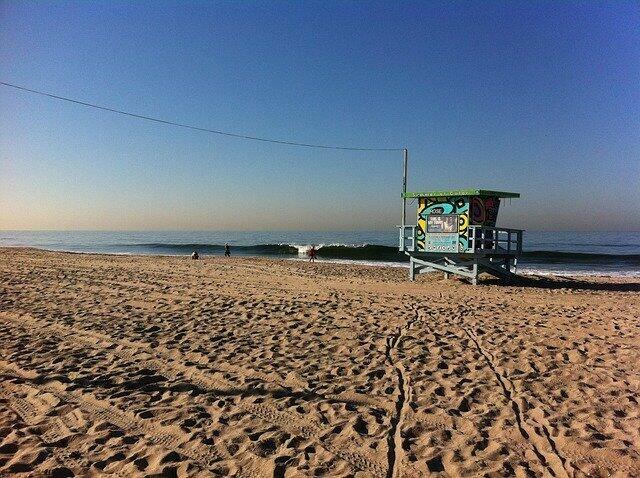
<point x="540" y="98"/>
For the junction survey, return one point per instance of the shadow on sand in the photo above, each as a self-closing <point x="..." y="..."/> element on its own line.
<point x="560" y="282"/>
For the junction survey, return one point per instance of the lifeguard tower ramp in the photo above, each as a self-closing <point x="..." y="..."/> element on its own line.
<point x="456" y="233"/>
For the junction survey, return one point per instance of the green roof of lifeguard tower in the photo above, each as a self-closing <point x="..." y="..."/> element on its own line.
<point x="462" y="192"/>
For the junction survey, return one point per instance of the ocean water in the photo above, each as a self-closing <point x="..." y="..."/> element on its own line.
<point x="555" y="253"/>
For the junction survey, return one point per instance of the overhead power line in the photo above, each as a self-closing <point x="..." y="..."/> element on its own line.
<point x="196" y="128"/>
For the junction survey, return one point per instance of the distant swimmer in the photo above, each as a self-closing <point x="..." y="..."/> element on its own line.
<point x="195" y="256"/>
<point x="312" y="254"/>
<point x="227" y="250"/>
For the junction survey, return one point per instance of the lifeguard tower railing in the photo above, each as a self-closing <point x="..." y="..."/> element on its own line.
<point x="493" y="250"/>
<point x="495" y="241"/>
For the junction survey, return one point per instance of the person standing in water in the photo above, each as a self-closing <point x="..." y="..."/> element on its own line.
<point x="227" y="250"/>
<point x="312" y="254"/>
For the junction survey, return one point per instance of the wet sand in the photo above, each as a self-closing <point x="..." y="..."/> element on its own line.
<point x="162" y="366"/>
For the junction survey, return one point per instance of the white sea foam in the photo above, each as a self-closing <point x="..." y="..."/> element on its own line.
<point x="521" y="270"/>
<point x="576" y="272"/>
<point x="303" y="250"/>
<point x="358" y="262"/>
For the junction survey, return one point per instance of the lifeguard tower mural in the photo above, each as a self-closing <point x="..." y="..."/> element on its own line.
<point x="456" y="233"/>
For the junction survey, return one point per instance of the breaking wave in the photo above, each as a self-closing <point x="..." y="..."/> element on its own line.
<point x="372" y="252"/>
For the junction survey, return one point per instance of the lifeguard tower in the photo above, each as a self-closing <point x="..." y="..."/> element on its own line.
<point x="456" y="233"/>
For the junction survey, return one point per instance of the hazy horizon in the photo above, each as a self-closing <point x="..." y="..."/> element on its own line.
<point x="276" y="230"/>
<point x="538" y="98"/>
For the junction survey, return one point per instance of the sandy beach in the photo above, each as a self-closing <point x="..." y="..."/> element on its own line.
<point x="162" y="366"/>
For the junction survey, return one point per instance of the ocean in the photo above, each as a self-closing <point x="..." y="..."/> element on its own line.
<point x="550" y="253"/>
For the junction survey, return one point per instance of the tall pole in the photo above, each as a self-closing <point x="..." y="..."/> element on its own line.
<point x="405" y="153"/>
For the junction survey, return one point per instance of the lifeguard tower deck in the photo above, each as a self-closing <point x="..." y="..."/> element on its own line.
<point x="456" y="233"/>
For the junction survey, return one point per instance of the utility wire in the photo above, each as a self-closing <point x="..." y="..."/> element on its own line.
<point x="196" y="128"/>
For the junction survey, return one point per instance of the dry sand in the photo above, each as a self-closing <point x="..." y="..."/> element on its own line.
<point x="163" y="366"/>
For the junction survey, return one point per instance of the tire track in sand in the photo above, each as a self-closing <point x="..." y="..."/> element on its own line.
<point x="610" y="460"/>
<point x="396" y="453"/>
<point x="157" y="434"/>
<point x="296" y="426"/>
<point x="61" y="455"/>
<point x="170" y="363"/>
<point x="543" y="446"/>
<point x="265" y="412"/>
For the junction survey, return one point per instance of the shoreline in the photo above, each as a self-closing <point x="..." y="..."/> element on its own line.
<point x="531" y="273"/>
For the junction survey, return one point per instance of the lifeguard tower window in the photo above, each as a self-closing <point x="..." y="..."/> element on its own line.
<point x="442" y="223"/>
